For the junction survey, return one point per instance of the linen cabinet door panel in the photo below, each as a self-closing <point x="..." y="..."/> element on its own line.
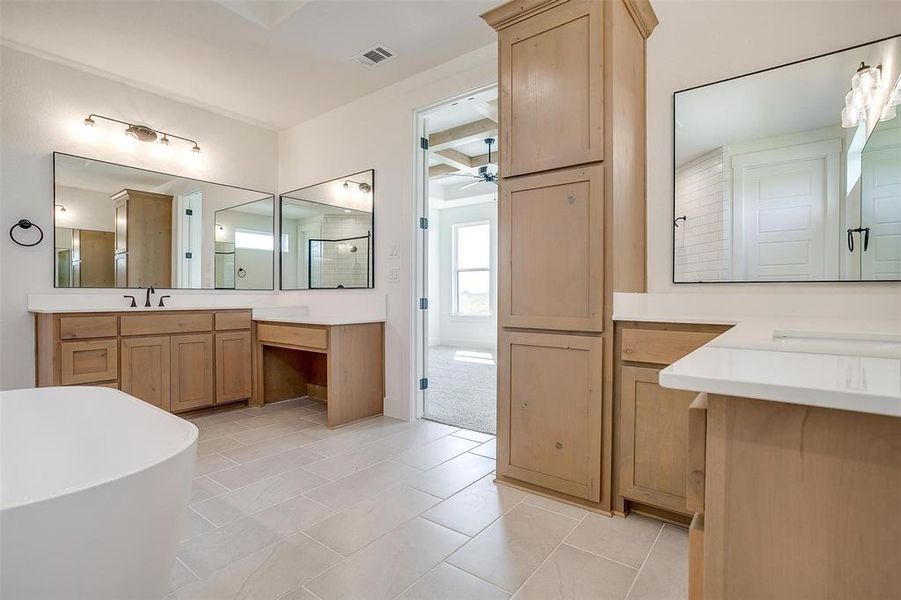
<point x="146" y="369"/>
<point x="654" y="440"/>
<point x="552" y="251"/>
<point x="551" y="89"/>
<point x="550" y="404"/>
<point x="233" y="373"/>
<point x="88" y="361"/>
<point x="192" y="371"/>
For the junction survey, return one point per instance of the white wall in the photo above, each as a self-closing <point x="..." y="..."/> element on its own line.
<point x="463" y="332"/>
<point x="43" y="105"/>
<point x="377" y="131"/>
<point x="85" y="209"/>
<point x="702" y="42"/>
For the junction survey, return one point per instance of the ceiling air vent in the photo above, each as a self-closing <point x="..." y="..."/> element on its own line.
<point x="374" y="56"/>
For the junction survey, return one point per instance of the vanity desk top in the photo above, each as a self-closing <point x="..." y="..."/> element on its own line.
<point x="830" y="362"/>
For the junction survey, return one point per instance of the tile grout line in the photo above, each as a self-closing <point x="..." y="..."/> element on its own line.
<point x="579" y="548"/>
<point x="647" y="556"/>
<point x="550" y="554"/>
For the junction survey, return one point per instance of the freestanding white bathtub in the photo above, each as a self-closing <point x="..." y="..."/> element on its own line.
<point x="93" y="485"/>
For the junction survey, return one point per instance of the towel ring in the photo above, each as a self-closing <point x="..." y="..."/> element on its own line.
<point x="26" y="224"/>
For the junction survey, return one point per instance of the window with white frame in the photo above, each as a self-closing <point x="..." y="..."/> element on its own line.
<point x="472" y="269"/>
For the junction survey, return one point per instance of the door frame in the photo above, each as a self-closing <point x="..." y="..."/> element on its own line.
<point x="420" y="263"/>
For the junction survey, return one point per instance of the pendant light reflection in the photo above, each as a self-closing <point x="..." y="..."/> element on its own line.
<point x="865" y="87"/>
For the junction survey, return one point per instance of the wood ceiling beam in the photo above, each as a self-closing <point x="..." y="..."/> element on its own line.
<point x="439" y="170"/>
<point x="462" y="134"/>
<point x="482" y="159"/>
<point x="454" y="158"/>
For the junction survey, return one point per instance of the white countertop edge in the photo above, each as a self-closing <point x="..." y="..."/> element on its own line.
<point x="822" y="398"/>
<point x="312" y="320"/>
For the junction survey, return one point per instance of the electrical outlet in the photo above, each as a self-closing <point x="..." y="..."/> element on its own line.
<point x="394" y="275"/>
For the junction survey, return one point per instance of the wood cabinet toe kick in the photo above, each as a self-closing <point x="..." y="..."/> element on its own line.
<point x="176" y="360"/>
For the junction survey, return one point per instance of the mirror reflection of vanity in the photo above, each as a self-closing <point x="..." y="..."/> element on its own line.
<point x="327" y="234"/>
<point x="124" y="227"/>
<point x="792" y="173"/>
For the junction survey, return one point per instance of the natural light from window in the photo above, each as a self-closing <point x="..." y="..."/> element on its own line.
<point x="471" y="356"/>
<point x="472" y="269"/>
<point x="253" y="240"/>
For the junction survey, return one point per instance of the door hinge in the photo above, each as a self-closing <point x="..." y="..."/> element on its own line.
<point x="189" y="255"/>
<point x="189" y="211"/>
<point x="424" y="143"/>
<point x="423" y="303"/>
<point x="423" y="222"/>
<point x="424" y="383"/>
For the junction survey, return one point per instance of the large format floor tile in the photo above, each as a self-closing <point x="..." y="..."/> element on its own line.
<point x="349" y="490"/>
<point x="389" y="565"/>
<point x="245" y="474"/>
<point x="434" y="453"/>
<point x="573" y="574"/>
<point x="509" y="550"/>
<point x="476" y="507"/>
<point x="627" y="541"/>
<point x="450" y="477"/>
<point x="353" y="528"/>
<point x="446" y="582"/>
<point x="665" y="573"/>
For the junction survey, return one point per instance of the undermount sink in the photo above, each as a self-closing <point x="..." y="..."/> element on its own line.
<point x="875" y="344"/>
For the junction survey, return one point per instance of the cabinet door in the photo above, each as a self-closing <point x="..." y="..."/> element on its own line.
<point x="88" y="362"/>
<point x="146" y="369"/>
<point x="552" y="251"/>
<point x="192" y="371"/>
<point x="549" y="411"/>
<point x="654" y="440"/>
<point x="121" y="226"/>
<point x="233" y="374"/>
<point x="551" y="89"/>
<point x="121" y="267"/>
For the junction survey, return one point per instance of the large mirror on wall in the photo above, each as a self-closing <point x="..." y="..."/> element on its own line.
<point x="124" y="227"/>
<point x="327" y="234"/>
<point x="792" y="173"/>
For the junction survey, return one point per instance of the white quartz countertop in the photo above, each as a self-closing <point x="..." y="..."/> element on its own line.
<point x="302" y="317"/>
<point x="828" y="361"/>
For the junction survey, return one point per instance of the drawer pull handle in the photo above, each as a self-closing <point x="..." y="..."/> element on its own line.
<point x="558" y="446"/>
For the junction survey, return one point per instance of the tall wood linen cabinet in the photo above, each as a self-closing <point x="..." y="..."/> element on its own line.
<point x="571" y="231"/>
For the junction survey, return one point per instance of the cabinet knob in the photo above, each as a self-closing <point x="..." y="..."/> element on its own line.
<point x="558" y="446"/>
<point x="571" y="199"/>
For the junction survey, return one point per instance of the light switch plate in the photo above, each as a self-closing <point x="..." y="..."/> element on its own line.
<point x="394" y="251"/>
<point x="394" y="275"/>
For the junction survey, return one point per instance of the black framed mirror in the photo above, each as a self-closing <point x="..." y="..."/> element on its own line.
<point x="327" y="234"/>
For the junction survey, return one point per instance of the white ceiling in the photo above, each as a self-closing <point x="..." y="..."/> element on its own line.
<point x="274" y="63"/>
<point x="802" y="97"/>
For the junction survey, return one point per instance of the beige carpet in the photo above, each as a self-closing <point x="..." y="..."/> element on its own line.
<point x="462" y="388"/>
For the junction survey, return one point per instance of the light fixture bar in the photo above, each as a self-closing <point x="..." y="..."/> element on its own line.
<point x="132" y="127"/>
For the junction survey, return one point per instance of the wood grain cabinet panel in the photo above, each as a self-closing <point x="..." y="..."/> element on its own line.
<point x="552" y="251"/>
<point x="163" y="323"/>
<point x="71" y="328"/>
<point x="146" y="369"/>
<point x="88" y="361"/>
<point x="233" y="371"/>
<point x="192" y="371"/>
<point x="551" y="89"/>
<point x="550" y="404"/>
<point x="292" y="335"/>
<point x="233" y="320"/>
<point x="654" y="440"/>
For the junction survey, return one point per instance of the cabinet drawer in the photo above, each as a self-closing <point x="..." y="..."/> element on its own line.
<point x="233" y="320"/>
<point x="73" y="328"/>
<point x="661" y="346"/>
<point x="696" y="476"/>
<point x="552" y="251"/>
<point x="310" y="337"/>
<point x="88" y="362"/>
<point x="162" y="323"/>
<point x="550" y="405"/>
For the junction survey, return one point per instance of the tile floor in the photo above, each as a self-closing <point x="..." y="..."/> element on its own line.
<point x="284" y="508"/>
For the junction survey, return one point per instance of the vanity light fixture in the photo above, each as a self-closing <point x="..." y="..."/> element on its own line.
<point x="362" y="186"/>
<point x="142" y="132"/>
<point x="859" y="101"/>
<point x="890" y="110"/>
<point x="60" y="208"/>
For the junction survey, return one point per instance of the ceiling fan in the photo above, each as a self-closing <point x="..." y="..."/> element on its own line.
<point x="487" y="173"/>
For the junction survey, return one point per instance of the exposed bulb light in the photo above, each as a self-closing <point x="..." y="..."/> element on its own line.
<point x="164" y="141"/>
<point x="860" y="101"/>
<point x="195" y="149"/>
<point x="867" y="79"/>
<point x="346" y="185"/>
<point x="142" y="133"/>
<point x="89" y="123"/>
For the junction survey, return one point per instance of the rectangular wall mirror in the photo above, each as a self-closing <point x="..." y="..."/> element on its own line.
<point x="124" y="227"/>
<point x="327" y="234"/>
<point x="774" y="181"/>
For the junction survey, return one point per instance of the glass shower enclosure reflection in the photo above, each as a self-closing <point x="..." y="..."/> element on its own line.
<point x="327" y="235"/>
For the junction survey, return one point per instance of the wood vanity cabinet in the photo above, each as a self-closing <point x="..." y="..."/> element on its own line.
<point x="653" y="421"/>
<point x="176" y="360"/>
<point x="571" y="222"/>
<point x="143" y="239"/>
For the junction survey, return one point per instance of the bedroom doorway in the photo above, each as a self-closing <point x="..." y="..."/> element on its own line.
<point x="457" y="256"/>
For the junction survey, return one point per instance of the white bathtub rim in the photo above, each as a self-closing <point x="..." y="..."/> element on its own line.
<point x="190" y="439"/>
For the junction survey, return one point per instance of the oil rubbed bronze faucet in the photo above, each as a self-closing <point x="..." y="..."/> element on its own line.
<point x="150" y="290"/>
